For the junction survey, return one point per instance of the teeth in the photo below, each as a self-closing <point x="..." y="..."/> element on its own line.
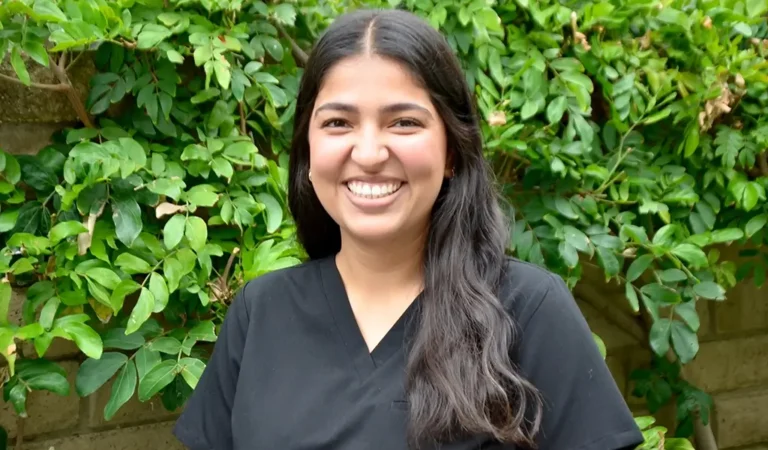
<point x="369" y="190"/>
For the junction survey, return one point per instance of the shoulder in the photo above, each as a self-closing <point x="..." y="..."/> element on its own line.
<point x="525" y="287"/>
<point x="278" y="284"/>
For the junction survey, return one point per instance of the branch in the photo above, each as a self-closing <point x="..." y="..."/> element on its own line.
<point x="243" y="129"/>
<point x="74" y="99"/>
<point x="298" y="52"/>
<point x="50" y="87"/>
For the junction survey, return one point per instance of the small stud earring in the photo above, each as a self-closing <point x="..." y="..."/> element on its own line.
<point x="310" y="175"/>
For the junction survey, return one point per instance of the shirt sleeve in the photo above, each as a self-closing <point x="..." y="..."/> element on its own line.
<point x="205" y="422"/>
<point x="583" y="407"/>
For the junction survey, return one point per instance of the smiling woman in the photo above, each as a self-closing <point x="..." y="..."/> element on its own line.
<point x="409" y="327"/>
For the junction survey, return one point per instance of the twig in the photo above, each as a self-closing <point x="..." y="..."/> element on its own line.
<point x="243" y="129"/>
<point x="19" y="433"/>
<point x="50" y="87"/>
<point x="763" y="163"/>
<point x="74" y="99"/>
<point x="298" y="52"/>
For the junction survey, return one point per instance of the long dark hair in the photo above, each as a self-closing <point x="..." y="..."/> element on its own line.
<point x="461" y="379"/>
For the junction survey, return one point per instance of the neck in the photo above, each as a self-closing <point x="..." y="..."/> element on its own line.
<point x="382" y="267"/>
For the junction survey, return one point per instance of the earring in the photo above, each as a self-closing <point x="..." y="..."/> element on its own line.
<point x="310" y="175"/>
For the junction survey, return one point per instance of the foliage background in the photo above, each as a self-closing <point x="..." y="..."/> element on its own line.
<point x="629" y="135"/>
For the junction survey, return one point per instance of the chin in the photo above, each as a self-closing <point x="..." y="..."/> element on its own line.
<point x="372" y="231"/>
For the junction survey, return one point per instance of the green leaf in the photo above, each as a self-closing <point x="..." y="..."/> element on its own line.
<point x="273" y="47"/>
<point x="134" y="151"/>
<point x="166" y="344"/>
<point x="126" y="215"/>
<point x="684" y="341"/>
<point x="755" y="224"/>
<point x="5" y="302"/>
<point x="204" y="331"/>
<point x="124" y="288"/>
<point x="223" y="73"/>
<point x="556" y="109"/>
<point x="173" y="231"/>
<point x="672" y="275"/>
<point x="202" y="195"/>
<point x="87" y="340"/>
<point x="629" y="292"/>
<point x="146" y="360"/>
<point x="565" y="208"/>
<point x="8" y="219"/>
<point x="122" y="390"/>
<point x="104" y="277"/>
<point x="116" y="338"/>
<point x="689" y="314"/>
<point x="63" y="230"/>
<point x="273" y="209"/>
<point x="608" y="261"/>
<point x="285" y="13"/>
<point x="223" y="168"/>
<point x="241" y="150"/>
<point x="756" y="8"/>
<point x="661" y="330"/>
<point x="36" y="51"/>
<point x="151" y="35"/>
<point x="638" y="267"/>
<point x="19" y="67"/>
<point x="529" y="109"/>
<point x="141" y="312"/>
<point x="52" y="382"/>
<point x="159" y="291"/>
<point x="157" y="378"/>
<point x="710" y="290"/>
<point x="600" y="345"/>
<point x="93" y="373"/>
<point x="692" y="254"/>
<point x="48" y="11"/>
<point x="196" y="233"/>
<point x="569" y="254"/>
<point x="132" y="264"/>
<point x="726" y="235"/>
<point x="192" y="370"/>
<point x="660" y="294"/>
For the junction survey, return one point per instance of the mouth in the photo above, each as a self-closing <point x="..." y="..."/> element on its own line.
<point x="373" y="190"/>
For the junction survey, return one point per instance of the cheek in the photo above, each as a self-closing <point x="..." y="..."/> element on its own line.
<point x="326" y="155"/>
<point x="422" y="156"/>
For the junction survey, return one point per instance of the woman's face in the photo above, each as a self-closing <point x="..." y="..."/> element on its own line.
<point x="378" y="152"/>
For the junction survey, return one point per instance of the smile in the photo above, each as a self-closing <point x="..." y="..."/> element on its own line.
<point x="373" y="190"/>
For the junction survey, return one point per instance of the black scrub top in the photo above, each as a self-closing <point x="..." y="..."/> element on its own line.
<point x="291" y="371"/>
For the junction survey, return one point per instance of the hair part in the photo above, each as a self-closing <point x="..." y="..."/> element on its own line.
<point x="461" y="379"/>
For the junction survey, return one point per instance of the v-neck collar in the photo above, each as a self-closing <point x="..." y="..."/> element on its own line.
<point x="344" y="317"/>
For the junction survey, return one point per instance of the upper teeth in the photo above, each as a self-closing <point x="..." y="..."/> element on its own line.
<point x="373" y="190"/>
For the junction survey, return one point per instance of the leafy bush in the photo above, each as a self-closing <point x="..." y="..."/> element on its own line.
<point x="629" y="135"/>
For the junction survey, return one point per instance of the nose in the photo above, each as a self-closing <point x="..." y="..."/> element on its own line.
<point x="369" y="150"/>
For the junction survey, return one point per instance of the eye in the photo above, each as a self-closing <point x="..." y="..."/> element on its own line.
<point x="335" y="123"/>
<point x="407" y="122"/>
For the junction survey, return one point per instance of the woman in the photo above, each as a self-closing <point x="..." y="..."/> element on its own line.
<point x="408" y="327"/>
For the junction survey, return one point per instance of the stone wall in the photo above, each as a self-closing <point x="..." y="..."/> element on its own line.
<point x="732" y="363"/>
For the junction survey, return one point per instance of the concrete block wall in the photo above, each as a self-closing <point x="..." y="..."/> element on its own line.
<point x="732" y="364"/>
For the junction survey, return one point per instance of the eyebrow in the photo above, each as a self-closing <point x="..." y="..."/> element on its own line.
<point x="388" y="109"/>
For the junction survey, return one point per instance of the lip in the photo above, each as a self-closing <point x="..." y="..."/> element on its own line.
<point x="372" y="205"/>
<point x="373" y="179"/>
